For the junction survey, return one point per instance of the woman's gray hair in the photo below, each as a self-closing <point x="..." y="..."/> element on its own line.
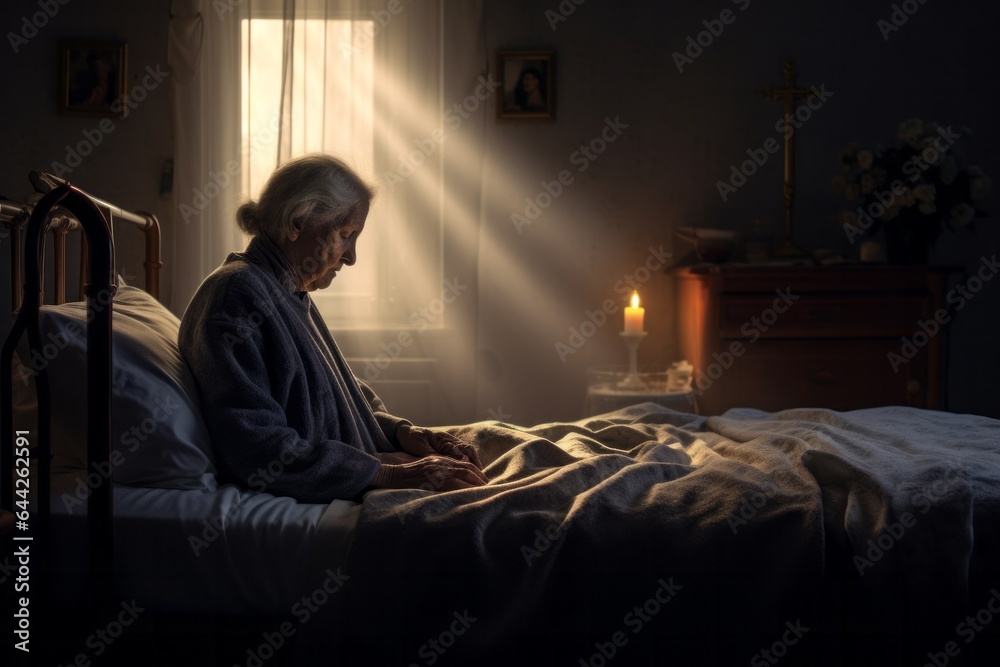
<point x="314" y="189"/>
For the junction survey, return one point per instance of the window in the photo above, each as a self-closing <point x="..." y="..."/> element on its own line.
<point x="343" y="96"/>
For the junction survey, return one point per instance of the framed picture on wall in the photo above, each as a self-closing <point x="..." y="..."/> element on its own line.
<point x="92" y="78"/>
<point x="528" y="79"/>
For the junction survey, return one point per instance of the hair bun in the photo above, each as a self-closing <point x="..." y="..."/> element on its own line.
<point x="248" y="218"/>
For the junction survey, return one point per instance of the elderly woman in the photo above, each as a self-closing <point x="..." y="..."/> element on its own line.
<point x="284" y="410"/>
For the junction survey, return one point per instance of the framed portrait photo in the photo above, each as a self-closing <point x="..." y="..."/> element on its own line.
<point x="92" y="78"/>
<point x="528" y="79"/>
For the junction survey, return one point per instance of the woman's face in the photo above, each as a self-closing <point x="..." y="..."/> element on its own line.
<point x="529" y="82"/>
<point x="319" y="256"/>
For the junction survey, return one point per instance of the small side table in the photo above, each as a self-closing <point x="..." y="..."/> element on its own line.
<point x="603" y="394"/>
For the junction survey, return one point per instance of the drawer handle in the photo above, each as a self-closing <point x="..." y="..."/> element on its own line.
<point x="914" y="387"/>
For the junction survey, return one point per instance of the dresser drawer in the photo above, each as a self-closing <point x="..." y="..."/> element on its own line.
<point x="825" y="345"/>
<point x="820" y="315"/>
<point x="839" y="375"/>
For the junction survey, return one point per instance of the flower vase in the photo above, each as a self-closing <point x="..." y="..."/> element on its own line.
<point x="907" y="242"/>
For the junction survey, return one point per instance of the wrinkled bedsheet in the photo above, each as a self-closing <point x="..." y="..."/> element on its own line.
<point x="648" y="536"/>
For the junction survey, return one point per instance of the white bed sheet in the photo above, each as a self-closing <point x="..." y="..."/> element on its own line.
<point x="228" y="551"/>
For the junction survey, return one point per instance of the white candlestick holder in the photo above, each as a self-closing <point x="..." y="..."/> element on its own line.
<point x="632" y="380"/>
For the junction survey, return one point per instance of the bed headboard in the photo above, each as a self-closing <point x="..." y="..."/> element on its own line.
<point x="64" y="208"/>
<point x="14" y="216"/>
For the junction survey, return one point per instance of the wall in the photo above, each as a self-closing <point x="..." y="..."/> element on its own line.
<point x="122" y="165"/>
<point x="685" y="130"/>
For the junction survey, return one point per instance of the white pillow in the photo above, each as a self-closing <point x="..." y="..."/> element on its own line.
<point x="159" y="436"/>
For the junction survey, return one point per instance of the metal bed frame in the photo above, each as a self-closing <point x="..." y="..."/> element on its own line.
<point x="62" y="208"/>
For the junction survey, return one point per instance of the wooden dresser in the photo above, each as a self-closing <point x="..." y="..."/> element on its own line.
<point x="831" y="337"/>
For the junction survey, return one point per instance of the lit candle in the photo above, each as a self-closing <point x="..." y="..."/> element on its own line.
<point x="633" y="316"/>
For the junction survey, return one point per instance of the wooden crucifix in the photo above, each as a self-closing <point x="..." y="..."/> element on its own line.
<point x="789" y="93"/>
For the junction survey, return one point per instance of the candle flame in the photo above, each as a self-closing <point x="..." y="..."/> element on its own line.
<point x="635" y="299"/>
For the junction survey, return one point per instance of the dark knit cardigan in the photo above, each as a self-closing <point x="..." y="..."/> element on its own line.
<point x="285" y="412"/>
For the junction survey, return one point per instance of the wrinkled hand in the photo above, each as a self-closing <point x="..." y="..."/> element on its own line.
<point x="420" y="442"/>
<point x="395" y="458"/>
<point x="433" y="472"/>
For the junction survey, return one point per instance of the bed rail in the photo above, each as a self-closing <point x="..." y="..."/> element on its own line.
<point x="35" y="533"/>
<point x="14" y="216"/>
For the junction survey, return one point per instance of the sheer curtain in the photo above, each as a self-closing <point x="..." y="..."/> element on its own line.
<point x="361" y="79"/>
<point x="204" y="58"/>
<point x="375" y="82"/>
<point x="262" y="81"/>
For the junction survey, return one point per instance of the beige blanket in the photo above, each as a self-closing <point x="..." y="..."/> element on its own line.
<point x="647" y="535"/>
